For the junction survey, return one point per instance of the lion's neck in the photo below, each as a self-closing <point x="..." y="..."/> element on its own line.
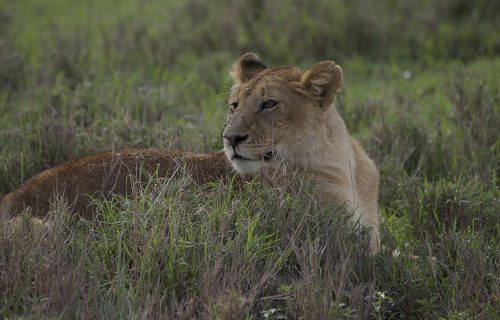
<point x="334" y="149"/>
<point x="334" y="165"/>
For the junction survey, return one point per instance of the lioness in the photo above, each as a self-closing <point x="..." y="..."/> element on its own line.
<point x="277" y="117"/>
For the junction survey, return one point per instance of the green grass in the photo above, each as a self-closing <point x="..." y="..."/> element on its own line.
<point x="83" y="77"/>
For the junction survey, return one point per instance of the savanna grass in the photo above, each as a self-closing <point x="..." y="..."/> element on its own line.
<point x="174" y="248"/>
<point x="420" y="91"/>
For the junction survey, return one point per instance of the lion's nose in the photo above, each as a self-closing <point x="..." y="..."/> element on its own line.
<point x="235" y="140"/>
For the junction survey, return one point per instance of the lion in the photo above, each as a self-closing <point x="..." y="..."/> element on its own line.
<point x="278" y="117"/>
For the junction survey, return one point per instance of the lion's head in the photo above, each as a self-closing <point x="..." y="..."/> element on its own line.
<point x="278" y="113"/>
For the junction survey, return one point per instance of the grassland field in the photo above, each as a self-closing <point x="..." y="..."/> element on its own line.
<point x="421" y="92"/>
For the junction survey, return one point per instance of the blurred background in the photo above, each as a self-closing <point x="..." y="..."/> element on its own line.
<point x="149" y="33"/>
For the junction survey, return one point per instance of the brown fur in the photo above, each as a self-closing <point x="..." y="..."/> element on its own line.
<point x="105" y="173"/>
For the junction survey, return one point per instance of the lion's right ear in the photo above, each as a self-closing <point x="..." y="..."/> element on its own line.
<point x="246" y="68"/>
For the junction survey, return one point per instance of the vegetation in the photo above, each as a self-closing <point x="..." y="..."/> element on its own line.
<point x="421" y="92"/>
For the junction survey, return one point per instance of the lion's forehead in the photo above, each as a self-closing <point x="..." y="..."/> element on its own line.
<point x="280" y="78"/>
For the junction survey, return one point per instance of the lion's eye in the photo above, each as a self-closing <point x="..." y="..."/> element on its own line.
<point x="234" y="105"/>
<point x="268" y="104"/>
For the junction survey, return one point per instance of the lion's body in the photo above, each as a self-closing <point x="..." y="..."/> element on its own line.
<point x="107" y="173"/>
<point x="279" y="117"/>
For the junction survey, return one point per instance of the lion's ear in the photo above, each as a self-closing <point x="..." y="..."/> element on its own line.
<point x="246" y="68"/>
<point x="323" y="81"/>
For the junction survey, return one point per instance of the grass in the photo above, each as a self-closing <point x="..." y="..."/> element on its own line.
<point x="81" y="78"/>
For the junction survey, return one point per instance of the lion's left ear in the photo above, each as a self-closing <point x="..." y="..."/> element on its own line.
<point x="246" y="68"/>
<point x="323" y="81"/>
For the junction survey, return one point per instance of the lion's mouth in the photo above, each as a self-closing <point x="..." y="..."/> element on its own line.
<point x="266" y="157"/>
<point x="236" y="156"/>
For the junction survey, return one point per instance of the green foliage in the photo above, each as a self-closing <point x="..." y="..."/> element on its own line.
<point x="421" y="92"/>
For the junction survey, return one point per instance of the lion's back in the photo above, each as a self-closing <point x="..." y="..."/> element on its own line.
<point x="79" y="180"/>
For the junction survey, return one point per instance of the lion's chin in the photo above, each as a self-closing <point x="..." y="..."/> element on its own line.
<point x="245" y="167"/>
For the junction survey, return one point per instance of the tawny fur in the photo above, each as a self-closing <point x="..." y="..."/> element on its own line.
<point x="303" y="130"/>
<point x="106" y="173"/>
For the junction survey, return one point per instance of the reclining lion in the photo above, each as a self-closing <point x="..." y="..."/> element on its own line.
<point x="278" y="117"/>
